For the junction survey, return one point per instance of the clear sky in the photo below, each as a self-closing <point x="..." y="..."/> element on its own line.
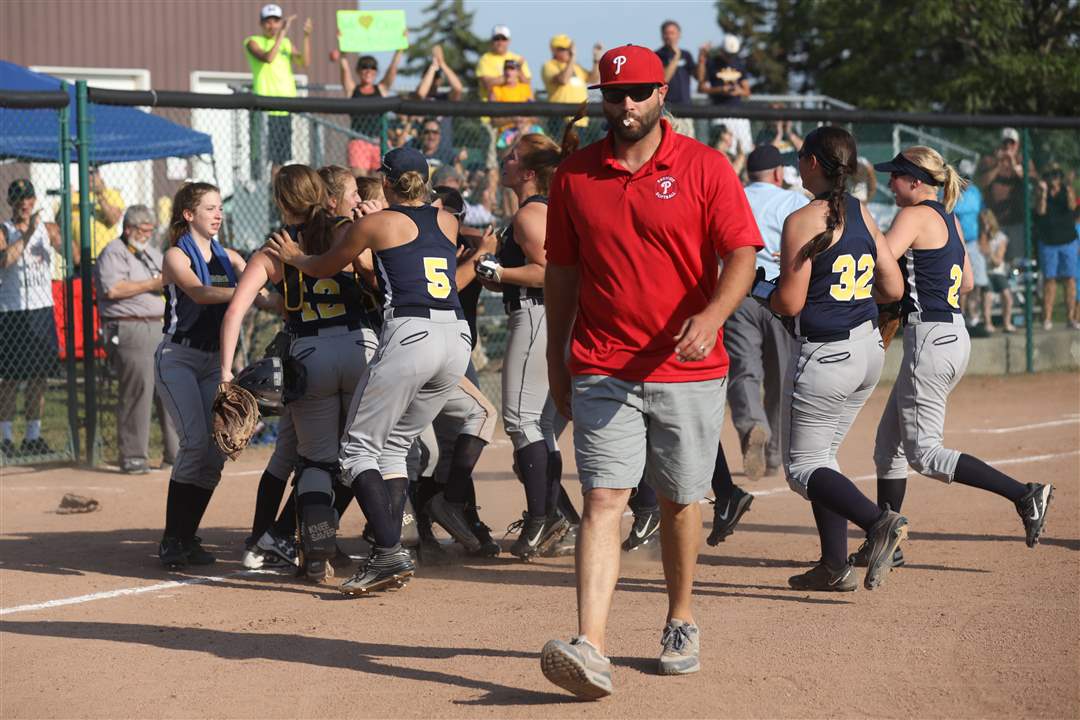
<point x="533" y="22"/>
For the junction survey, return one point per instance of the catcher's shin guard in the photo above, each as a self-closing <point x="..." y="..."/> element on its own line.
<point x="316" y="518"/>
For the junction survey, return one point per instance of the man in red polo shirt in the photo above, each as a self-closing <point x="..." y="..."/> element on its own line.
<point x="636" y="224"/>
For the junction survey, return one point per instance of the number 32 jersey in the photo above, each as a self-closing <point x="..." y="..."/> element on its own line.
<point x="932" y="277"/>
<point x="419" y="274"/>
<point x="841" y="280"/>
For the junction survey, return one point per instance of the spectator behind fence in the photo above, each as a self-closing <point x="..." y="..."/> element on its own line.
<point x="723" y="78"/>
<point x="430" y="144"/>
<point x="1001" y="177"/>
<point x="565" y="80"/>
<point x="491" y="67"/>
<point x="679" y="67"/>
<point x="28" y="343"/>
<point x="993" y="245"/>
<point x="128" y="279"/>
<point x="725" y="143"/>
<point x="967" y="211"/>
<point x="431" y="88"/>
<point x="475" y="215"/>
<point x="364" y="155"/>
<point x="107" y="206"/>
<point x="272" y="59"/>
<point x="1058" y="246"/>
<point x="399" y="131"/>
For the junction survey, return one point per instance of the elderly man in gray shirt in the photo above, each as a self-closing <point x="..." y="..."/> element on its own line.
<point x="756" y="341"/>
<point x="131" y="305"/>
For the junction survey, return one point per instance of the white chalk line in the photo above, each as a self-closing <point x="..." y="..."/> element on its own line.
<point x="105" y="595"/>
<point x="202" y="580"/>
<point x="1020" y="428"/>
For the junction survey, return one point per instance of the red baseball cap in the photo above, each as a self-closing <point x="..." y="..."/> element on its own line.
<point x="630" y="65"/>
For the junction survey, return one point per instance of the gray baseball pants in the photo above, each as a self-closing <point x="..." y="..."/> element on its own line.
<point x="912" y="428"/>
<point x="826" y="386"/>
<point x="187" y="381"/>
<point x="131" y="346"/>
<point x="417" y="366"/>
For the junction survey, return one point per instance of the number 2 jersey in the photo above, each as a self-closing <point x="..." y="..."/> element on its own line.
<point x="313" y="303"/>
<point x="419" y="274"/>
<point x="841" y="281"/>
<point x="932" y="277"/>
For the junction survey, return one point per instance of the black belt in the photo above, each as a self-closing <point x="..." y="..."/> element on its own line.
<point x="303" y="332"/>
<point x="834" y="336"/>
<point x="195" y="344"/>
<point x="517" y="303"/>
<point x="932" y="316"/>
<point x="418" y="311"/>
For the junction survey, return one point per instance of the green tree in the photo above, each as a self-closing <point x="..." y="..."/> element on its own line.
<point x="447" y="23"/>
<point x="977" y="56"/>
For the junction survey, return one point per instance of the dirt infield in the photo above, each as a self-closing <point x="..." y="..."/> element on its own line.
<point x="976" y="624"/>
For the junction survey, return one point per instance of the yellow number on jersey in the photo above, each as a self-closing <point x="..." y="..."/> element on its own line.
<point x="851" y="287"/>
<point x="325" y="311"/>
<point x="438" y="283"/>
<point x="956" y="274"/>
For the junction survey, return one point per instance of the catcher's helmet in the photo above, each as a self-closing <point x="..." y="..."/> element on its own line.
<point x="265" y="380"/>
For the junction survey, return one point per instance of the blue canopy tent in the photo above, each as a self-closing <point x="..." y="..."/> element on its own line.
<point x="119" y="134"/>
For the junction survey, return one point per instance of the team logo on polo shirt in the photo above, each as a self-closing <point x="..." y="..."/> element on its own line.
<point x="666" y="187"/>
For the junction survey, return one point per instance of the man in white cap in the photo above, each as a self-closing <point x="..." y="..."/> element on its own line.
<point x="489" y="69"/>
<point x="272" y="59"/>
<point x="723" y="78"/>
<point x="1001" y="177"/>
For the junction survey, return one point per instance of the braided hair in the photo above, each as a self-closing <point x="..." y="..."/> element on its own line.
<point x="834" y="148"/>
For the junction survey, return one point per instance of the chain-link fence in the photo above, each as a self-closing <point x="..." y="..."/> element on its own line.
<point x="39" y="297"/>
<point x="1014" y="213"/>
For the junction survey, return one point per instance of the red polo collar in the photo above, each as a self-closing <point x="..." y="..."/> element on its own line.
<point x="662" y="159"/>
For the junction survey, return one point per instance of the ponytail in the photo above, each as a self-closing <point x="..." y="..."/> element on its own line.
<point x="954" y="186"/>
<point x="833" y="220"/>
<point x="410" y="186"/>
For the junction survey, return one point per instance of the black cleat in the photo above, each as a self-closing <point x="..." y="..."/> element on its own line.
<point x="385" y="567"/>
<point x="196" y="555"/>
<point x="172" y="554"/>
<point x="538" y="534"/>
<point x="727" y="517"/>
<point x="451" y="516"/>
<point x="567" y="545"/>
<point x="859" y="557"/>
<point x="1032" y="509"/>
<point x="341" y="560"/>
<point x="38" y="446"/>
<point x="821" y="578"/>
<point x="644" y="530"/>
<point x="882" y="541"/>
<point x="488" y="546"/>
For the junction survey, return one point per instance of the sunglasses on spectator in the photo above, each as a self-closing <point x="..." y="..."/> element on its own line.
<point x="637" y="93"/>
<point x="430" y="131"/>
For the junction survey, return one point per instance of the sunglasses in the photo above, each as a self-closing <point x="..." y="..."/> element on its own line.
<point x="430" y="131"/>
<point x="368" y="67"/>
<point x="637" y="93"/>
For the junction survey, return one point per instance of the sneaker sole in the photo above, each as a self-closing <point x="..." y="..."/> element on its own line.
<point x="398" y="580"/>
<point x="674" y="669"/>
<point x="754" y="457"/>
<point x="718" y="535"/>
<point x="875" y="577"/>
<point x="569" y="673"/>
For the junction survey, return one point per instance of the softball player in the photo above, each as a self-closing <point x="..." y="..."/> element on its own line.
<point x="199" y="276"/>
<point x="330" y="337"/>
<point x="926" y="239"/>
<point x="834" y="262"/>
<point x="423" y="351"/>
<point x="519" y="272"/>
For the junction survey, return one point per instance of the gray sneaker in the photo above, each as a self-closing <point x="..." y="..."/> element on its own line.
<point x="578" y="667"/>
<point x="682" y="646"/>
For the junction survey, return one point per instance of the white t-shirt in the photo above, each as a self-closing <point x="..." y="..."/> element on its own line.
<point x="995" y="245"/>
<point x="27" y="284"/>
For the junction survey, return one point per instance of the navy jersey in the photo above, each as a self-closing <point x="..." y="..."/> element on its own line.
<point x="312" y="303"/>
<point x="419" y="273"/>
<point x="932" y="277"/>
<point x="187" y="320"/>
<point x="839" y="297"/>
<point x="512" y="256"/>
